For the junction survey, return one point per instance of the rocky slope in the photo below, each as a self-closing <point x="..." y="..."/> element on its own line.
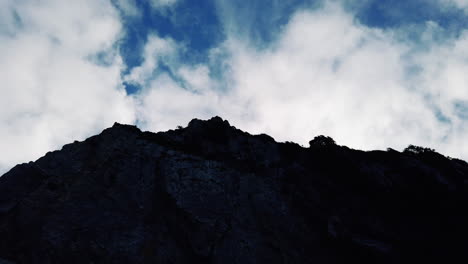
<point x="210" y="193"/>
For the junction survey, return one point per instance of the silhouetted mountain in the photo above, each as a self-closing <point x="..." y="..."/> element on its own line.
<point x="210" y="193"/>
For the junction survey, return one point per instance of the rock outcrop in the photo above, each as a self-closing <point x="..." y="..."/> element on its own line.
<point x="210" y="193"/>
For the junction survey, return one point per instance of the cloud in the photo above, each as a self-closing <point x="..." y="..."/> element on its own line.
<point x="166" y="104"/>
<point x="458" y="3"/>
<point x="329" y="75"/>
<point x="60" y="75"/>
<point x="157" y="50"/>
<point x="173" y="92"/>
<point x="128" y="7"/>
<point x="326" y="74"/>
<point x="443" y="81"/>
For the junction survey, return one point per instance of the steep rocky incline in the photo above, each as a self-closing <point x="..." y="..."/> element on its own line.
<point x="210" y="193"/>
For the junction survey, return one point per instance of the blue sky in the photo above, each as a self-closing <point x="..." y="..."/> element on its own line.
<point x="372" y="74"/>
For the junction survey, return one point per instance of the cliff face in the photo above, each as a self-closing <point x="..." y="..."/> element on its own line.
<point x="210" y="193"/>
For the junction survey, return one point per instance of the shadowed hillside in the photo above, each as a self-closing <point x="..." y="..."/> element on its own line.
<point x="210" y="193"/>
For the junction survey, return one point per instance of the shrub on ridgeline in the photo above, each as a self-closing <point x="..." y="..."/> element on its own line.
<point x="412" y="149"/>
<point x="322" y="141"/>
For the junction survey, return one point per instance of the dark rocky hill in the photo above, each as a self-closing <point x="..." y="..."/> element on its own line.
<point x="210" y="193"/>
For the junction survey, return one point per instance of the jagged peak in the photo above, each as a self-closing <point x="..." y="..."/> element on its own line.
<point x="312" y="198"/>
<point x="218" y="119"/>
<point x="214" y="121"/>
<point x="119" y="126"/>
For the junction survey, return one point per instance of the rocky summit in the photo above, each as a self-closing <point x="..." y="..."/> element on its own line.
<point x="210" y="193"/>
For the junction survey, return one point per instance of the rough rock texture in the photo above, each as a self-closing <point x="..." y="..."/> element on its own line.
<point x="210" y="193"/>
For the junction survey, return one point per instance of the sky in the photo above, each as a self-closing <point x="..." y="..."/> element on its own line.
<point x="372" y="74"/>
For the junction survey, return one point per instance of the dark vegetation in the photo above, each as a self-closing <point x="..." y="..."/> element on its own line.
<point x="210" y="193"/>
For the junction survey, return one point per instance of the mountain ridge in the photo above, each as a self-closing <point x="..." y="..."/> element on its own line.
<point x="211" y="193"/>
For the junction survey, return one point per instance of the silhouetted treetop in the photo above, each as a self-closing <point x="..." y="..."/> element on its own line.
<point x="417" y="150"/>
<point x="322" y="141"/>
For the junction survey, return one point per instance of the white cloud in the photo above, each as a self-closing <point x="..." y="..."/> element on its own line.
<point x="165" y="102"/>
<point x="128" y="7"/>
<point x="60" y="75"/>
<point x="328" y="74"/>
<point x="457" y="3"/>
<point x="155" y="51"/>
<point x="444" y="80"/>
